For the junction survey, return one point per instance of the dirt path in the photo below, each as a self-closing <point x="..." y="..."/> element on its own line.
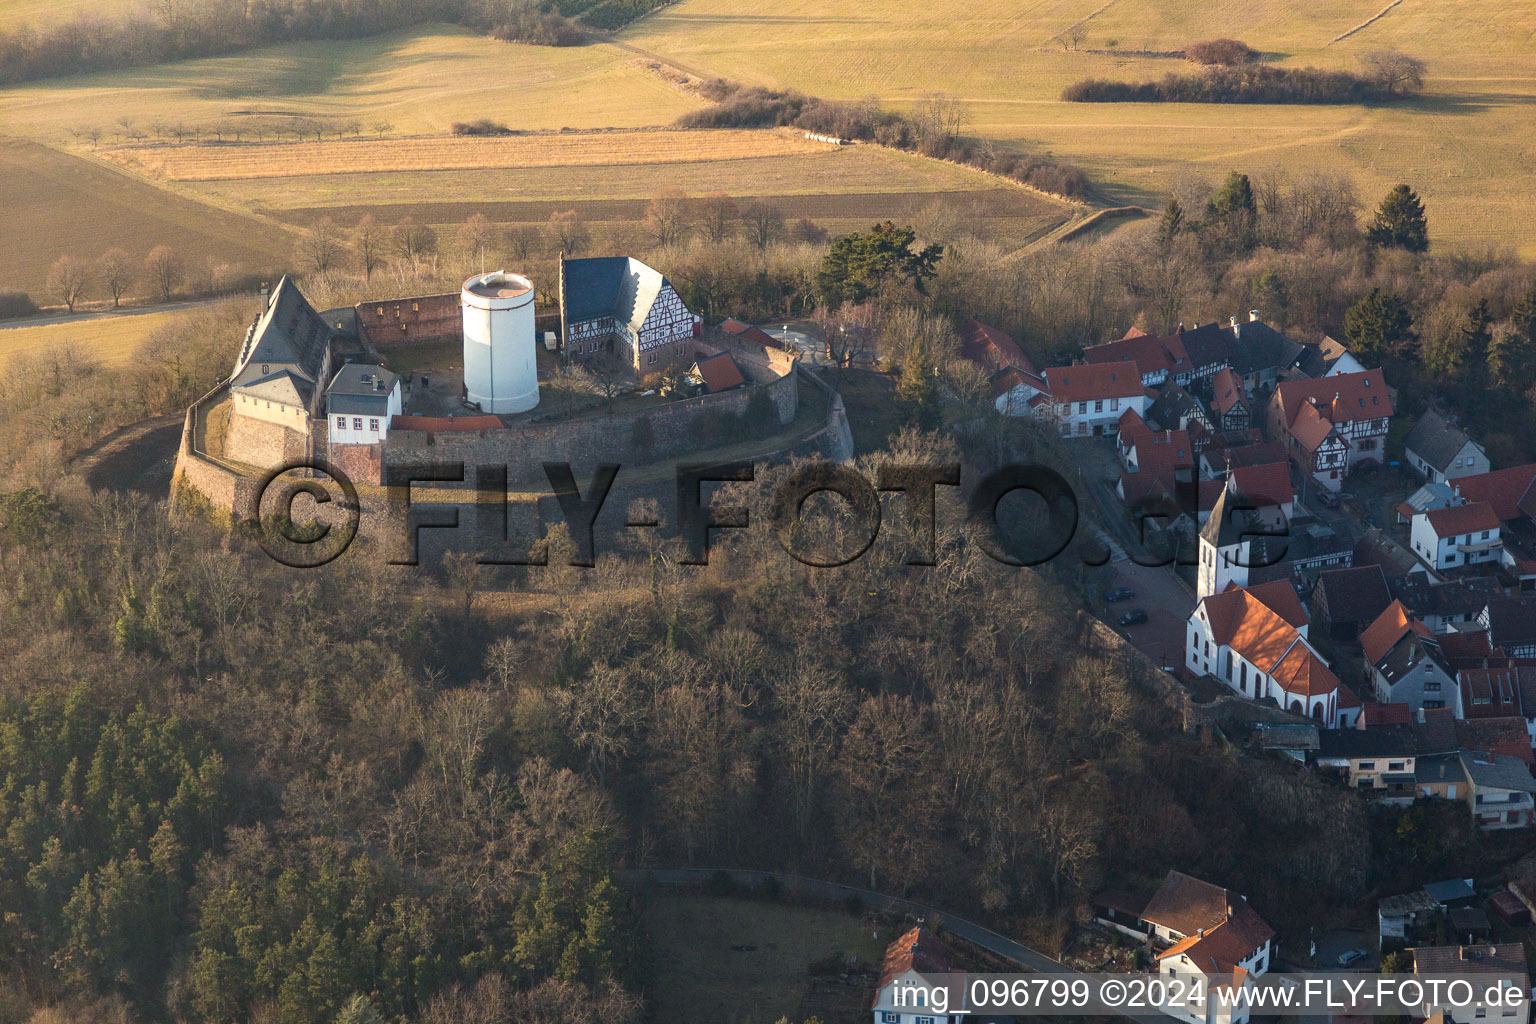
<point x="139" y="457"/>
<point x="1366" y="23"/>
<point x="105" y="314"/>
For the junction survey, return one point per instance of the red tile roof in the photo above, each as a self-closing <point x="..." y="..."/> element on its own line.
<point x="1261" y="623"/>
<point x="1395" y="713"/>
<point x="1148" y="353"/>
<point x="1457" y="519"/>
<point x="1502" y="488"/>
<point x="1346" y="397"/>
<point x="917" y="950"/>
<point x="1303" y="673"/>
<point x="1269" y="484"/>
<point x="1227" y="390"/>
<point x="992" y="348"/>
<point x="1219" y="927"/>
<point x="1490" y="693"/>
<point x="719" y="372"/>
<point x="1164" y="451"/>
<point x="1086" y="382"/>
<point x="749" y="333"/>
<point x="1378" y="639"/>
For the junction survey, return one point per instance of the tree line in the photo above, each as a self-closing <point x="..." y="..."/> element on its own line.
<point x="1385" y="76"/>
<point x="935" y="129"/>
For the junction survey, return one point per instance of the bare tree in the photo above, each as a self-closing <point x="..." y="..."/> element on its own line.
<point x="380" y="128"/>
<point x="717" y="216"/>
<point x="568" y="232"/>
<point x="411" y="242"/>
<point x="116" y="272"/>
<point x="321" y="249"/>
<point x="667" y="217"/>
<point x="764" y="223"/>
<point x="610" y="375"/>
<point x="67" y="279"/>
<point x="164" y="269"/>
<point x="476" y="238"/>
<point x="1394" y="71"/>
<point x="522" y="241"/>
<point x="368" y="245"/>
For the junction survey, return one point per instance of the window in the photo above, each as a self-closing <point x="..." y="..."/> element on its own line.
<point x="1098" y="405"/>
<point x="1114" y="404"/>
<point x="341" y="423"/>
<point x="890" y="1018"/>
<point x="1367" y="766"/>
<point x="381" y="311"/>
<point x="357" y="423"/>
<point x="415" y="307"/>
<point x="373" y="424"/>
<point x="1431" y="685"/>
<point x="1082" y="407"/>
<point x="1485" y="535"/>
<point x="1395" y="766"/>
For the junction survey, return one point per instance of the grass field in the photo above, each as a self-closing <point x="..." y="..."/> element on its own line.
<point x="374" y="156"/>
<point x="58" y="204"/>
<point x="1466" y="146"/>
<point x="839" y="188"/>
<point x="109" y="339"/>
<point x="700" y="979"/>
<point x="419" y="81"/>
<point x="15" y="13"/>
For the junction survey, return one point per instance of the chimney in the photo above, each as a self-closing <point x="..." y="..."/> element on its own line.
<point x="1199" y="933"/>
<point x="266" y="296"/>
<point x="1180" y="328"/>
<point x="1234" y="321"/>
<point x="1253" y="316"/>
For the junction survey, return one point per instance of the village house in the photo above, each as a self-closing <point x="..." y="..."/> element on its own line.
<point x="1088" y="400"/>
<point x="1429" y="498"/>
<point x="1345" y="601"/>
<point x="1456" y="536"/>
<point x="1499" y="790"/>
<point x="360" y="402"/>
<point x="1378" y="760"/>
<point x="1230" y="404"/>
<point x="1511" y="626"/>
<point x="1328" y="358"/>
<point x="1331" y="425"/>
<point x="1405" y="662"/>
<point x="1177" y="409"/>
<point x="1257" y="353"/>
<point x="915" y="965"/>
<point x="1214" y="932"/>
<point x="1503" y="964"/>
<point x="1441" y="451"/>
<point x="617" y="305"/>
<point x="1512" y="493"/>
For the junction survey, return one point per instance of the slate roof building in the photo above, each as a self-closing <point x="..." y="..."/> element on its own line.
<point x="1441" y="451"/>
<point x="1348" y="600"/>
<point x="278" y="380"/>
<point x="618" y="305"/>
<point x="361" y="402"/>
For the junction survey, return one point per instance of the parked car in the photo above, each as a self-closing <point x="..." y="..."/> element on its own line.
<point x="1134" y="617"/>
<point x="1350" y="956"/>
<point x="1119" y="594"/>
<point x="1328" y="498"/>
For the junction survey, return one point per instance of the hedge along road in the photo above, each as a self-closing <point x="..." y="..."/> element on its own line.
<point x="834" y="892"/>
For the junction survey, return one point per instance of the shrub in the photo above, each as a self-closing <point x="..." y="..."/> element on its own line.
<point x="16" y="304"/>
<point x="1220" y="51"/>
<point x="642" y="437"/>
<point x="480" y="126"/>
<point x="720" y="885"/>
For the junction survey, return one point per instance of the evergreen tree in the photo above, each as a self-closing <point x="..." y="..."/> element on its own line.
<point x="1172" y="223"/>
<point x="1399" y="222"/>
<point x="1232" y="213"/>
<point x="860" y="264"/>
<point x="1378" y="325"/>
<point x="917" y="394"/>
<point x="1510" y="360"/>
<point x="1523" y="318"/>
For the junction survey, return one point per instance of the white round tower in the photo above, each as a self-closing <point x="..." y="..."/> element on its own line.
<point x="500" y="361"/>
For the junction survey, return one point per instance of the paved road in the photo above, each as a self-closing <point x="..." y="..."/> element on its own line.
<point x="833" y="892"/>
<point x="1165" y="598"/>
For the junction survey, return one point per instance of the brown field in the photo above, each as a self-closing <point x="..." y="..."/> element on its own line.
<point x="109" y="339"/>
<point x="56" y="204"/>
<point x="214" y="162"/>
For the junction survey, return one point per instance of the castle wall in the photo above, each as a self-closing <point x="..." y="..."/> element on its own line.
<point x="675" y="429"/>
<point x="291" y="416"/>
<point x="420" y="319"/>
<point x="263" y="443"/>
